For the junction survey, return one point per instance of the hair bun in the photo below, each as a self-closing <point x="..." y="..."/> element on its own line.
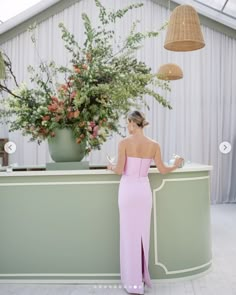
<point x="145" y="123"/>
<point x="138" y="118"/>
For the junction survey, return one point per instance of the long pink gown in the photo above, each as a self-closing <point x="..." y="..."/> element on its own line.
<point x="135" y="205"/>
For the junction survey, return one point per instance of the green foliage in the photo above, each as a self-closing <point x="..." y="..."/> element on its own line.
<point x="98" y="88"/>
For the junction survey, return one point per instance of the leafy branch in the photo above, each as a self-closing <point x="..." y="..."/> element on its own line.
<point x="91" y="94"/>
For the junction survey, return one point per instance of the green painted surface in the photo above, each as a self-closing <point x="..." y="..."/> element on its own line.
<point x="182" y="227"/>
<point x="74" y="228"/>
<point x="69" y="152"/>
<point x="83" y="165"/>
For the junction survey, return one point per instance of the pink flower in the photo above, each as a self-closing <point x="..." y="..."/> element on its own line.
<point x="73" y="94"/>
<point x="53" y="107"/>
<point x="58" y="118"/>
<point x="76" y="114"/>
<point x="54" y="99"/>
<point x="64" y="86"/>
<point x="92" y="124"/>
<point x="46" y="118"/>
<point x="95" y="131"/>
<point x="70" y="83"/>
<point x="70" y="115"/>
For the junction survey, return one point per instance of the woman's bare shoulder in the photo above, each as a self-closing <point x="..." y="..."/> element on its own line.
<point x="154" y="142"/>
<point x="127" y="139"/>
<point x="124" y="141"/>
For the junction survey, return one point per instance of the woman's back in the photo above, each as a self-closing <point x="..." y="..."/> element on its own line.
<point x="139" y="154"/>
<point x="140" y="146"/>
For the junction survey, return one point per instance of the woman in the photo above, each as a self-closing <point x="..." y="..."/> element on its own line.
<point x="135" y="154"/>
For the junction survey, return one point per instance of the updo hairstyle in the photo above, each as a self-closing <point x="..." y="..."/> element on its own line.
<point x="138" y="118"/>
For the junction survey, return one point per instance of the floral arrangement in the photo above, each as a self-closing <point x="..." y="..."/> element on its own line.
<point x="91" y="93"/>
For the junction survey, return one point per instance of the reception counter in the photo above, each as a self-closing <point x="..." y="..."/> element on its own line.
<point x="64" y="225"/>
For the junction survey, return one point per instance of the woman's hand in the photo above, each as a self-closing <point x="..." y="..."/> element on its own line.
<point x="110" y="167"/>
<point x="178" y="162"/>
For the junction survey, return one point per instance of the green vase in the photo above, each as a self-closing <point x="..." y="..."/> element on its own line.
<point x="63" y="147"/>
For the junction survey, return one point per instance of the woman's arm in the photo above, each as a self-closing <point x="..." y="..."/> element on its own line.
<point x="119" y="168"/>
<point x="161" y="166"/>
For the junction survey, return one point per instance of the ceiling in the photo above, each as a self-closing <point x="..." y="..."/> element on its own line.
<point x="222" y="11"/>
<point x="227" y="7"/>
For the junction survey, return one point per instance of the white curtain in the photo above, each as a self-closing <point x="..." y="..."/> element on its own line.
<point x="204" y="101"/>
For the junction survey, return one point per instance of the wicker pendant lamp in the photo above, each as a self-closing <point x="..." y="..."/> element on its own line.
<point x="170" y="72"/>
<point x="184" y="31"/>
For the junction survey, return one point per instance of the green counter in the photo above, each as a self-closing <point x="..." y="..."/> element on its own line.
<point x="64" y="225"/>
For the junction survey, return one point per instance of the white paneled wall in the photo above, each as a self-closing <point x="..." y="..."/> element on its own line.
<point x="204" y="101"/>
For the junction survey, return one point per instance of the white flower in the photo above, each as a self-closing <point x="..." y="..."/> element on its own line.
<point x="22" y="87"/>
<point x="102" y="131"/>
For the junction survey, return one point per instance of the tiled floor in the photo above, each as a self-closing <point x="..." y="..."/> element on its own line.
<point x="220" y="281"/>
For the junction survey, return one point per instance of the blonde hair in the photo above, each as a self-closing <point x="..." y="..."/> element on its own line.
<point x="138" y="118"/>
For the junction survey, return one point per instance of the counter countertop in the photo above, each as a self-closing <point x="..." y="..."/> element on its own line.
<point x="96" y="170"/>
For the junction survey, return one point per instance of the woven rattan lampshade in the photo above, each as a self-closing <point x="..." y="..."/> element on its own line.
<point x="184" y="31"/>
<point x="170" y="72"/>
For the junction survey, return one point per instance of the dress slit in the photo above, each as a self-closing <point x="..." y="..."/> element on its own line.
<point x="145" y="272"/>
<point x="143" y="257"/>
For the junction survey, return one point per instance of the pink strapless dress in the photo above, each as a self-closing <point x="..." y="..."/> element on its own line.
<point x="135" y="206"/>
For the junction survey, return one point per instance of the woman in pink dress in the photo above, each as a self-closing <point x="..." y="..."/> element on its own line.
<point x="135" y="154"/>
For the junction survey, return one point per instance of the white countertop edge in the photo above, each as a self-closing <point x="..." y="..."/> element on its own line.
<point x="186" y="168"/>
